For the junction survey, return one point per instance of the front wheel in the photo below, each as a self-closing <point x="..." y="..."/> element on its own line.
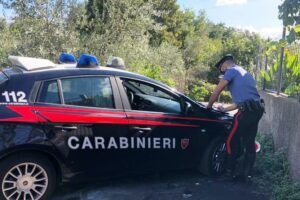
<point x="26" y="176"/>
<point x="214" y="159"/>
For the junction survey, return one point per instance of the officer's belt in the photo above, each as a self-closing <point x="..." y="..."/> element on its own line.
<point x="251" y="105"/>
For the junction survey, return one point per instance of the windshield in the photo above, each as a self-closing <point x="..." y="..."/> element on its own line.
<point x="196" y="102"/>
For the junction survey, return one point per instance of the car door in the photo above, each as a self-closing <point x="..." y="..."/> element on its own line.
<point x="85" y="121"/>
<point x="162" y="135"/>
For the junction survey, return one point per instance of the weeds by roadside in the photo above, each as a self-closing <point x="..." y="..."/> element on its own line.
<point x="272" y="172"/>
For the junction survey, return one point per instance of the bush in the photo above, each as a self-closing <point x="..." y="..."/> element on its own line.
<point x="293" y="90"/>
<point x="154" y="72"/>
<point x="201" y="91"/>
<point x="272" y="171"/>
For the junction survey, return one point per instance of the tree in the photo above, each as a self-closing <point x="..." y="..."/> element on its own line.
<point x="152" y="36"/>
<point x="7" y="43"/>
<point x="110" y="24"/>
<point x="289" y="13"/>
<point x="39" y="26"/>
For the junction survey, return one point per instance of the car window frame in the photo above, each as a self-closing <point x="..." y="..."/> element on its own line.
<point x="42" y="83"/>
<point x="115" y="92"/>
<point x="127" y="105"/>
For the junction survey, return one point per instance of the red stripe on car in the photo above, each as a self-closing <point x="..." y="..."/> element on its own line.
<point x="232" y="132"/>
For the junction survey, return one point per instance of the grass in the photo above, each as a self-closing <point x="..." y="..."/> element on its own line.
<point x="273" y="173"/>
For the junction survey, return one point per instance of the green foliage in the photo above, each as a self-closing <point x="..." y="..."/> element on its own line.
<point x="265" y="75"/>
<point x="154" y="37"/>
<point x="39" y="28"/>
<point x="7" y="43"/>
<point x="111" y="23"/>
<point x="171" y="20"/>
<point x="292" y="74"/>
<point x="291" y="68"/>
<point x="293" y="89"/>
<point x="201" y="91"/>
<point x="243" y="45"/>
<point x="272" y="171"/>
<point x="290" y="15"/>
<point x="152" y="71"/>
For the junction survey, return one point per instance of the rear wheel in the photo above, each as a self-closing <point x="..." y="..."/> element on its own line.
<point x="26" y="176"/>
<point x="214" y="159"/>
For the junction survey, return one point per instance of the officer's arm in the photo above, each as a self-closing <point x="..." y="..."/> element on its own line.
<point x="214" y="96"/>
<point x="230" y="107"/>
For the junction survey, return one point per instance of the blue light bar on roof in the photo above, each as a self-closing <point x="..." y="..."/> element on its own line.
<point x="67" y="58"/>
<point x="87" y="61"/>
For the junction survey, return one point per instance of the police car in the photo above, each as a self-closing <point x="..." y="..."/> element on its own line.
<point x="68" y="122"/>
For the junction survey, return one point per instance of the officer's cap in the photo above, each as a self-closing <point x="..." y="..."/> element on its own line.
<point x="116" y="62"/>
<point x="225" y="58"/>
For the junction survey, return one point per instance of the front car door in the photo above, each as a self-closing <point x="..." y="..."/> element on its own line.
<point x="162" y="135"/>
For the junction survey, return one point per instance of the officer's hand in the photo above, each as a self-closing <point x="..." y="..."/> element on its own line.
<point x="221" y="108"/>
<point x="209" y="107"/>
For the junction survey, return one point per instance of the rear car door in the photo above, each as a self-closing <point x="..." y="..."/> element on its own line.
<point x="85" y="120"/>
<point x="163" y="137"/>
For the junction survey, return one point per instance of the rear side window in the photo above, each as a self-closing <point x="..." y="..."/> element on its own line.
<point x="3" y="78"/>
<point x="49" y="92"/>
<point x="88" y="91"/>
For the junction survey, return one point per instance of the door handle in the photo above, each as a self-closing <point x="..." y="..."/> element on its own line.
<point x="142" y="128"/>
<point x="67" y="127"/>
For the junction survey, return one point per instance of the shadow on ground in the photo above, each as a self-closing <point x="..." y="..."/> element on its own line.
<point x="162" y="186"/>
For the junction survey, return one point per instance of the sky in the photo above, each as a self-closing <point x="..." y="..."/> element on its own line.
<point x="259" y="16"/>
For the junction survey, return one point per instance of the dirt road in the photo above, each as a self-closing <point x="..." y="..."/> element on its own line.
<point x="164" y="186"/>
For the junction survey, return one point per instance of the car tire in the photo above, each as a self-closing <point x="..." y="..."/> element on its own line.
<point x="214" y="160"/>
<point x="30" y="175"/>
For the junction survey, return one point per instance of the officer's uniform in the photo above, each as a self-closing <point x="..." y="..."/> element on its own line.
<point x="242" y="87"/>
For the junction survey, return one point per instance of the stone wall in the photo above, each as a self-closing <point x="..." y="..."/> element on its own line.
<point x="282" y="120"/>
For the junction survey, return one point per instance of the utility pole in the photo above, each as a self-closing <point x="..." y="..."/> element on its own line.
<point x="266" y="66"/>
<point x="281" y="62"/>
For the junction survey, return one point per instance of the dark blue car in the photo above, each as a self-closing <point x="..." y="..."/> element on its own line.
<point x="61" y="123"/>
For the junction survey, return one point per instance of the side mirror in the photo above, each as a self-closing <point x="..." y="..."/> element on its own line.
<point x="187" y="107"/>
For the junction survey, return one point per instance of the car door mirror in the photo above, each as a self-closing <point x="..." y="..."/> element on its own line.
<point x="187" y="108"/>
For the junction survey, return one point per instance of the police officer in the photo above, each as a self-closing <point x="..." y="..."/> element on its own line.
<point x="116" y="62"/>
<point x="242" y="87"/>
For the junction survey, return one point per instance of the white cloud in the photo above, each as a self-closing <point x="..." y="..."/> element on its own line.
<point x="267" y="32"/>
<point x="230" y="2"/>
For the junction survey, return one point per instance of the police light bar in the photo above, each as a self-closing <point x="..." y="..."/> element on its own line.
<point x="67" y="58"/>
<point x="29" y="64"/>
<point x="87" y="61"/>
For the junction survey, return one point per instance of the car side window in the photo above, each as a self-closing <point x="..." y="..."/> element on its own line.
<point x="49" y="93"/>
<point x="148" y="97"/>
<point x="88" y="91"/>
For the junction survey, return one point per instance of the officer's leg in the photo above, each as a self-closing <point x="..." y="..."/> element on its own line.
<point x="250" y="154"/>
<point x="232" y="157"/>
<point x="249" y="142"/>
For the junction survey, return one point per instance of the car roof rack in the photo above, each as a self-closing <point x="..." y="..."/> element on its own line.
<point x="30" y="64"/>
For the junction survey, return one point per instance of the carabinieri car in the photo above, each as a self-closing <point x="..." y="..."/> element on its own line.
<point x="63" y="122"/>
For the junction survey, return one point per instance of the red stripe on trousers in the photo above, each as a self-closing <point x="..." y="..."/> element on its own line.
<point x="232" y="132"/>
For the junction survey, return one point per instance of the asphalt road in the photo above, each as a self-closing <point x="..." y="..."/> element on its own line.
<point x="163" y="186"/>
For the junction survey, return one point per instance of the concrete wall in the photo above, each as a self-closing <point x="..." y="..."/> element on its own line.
<point x="282" y="120"/>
